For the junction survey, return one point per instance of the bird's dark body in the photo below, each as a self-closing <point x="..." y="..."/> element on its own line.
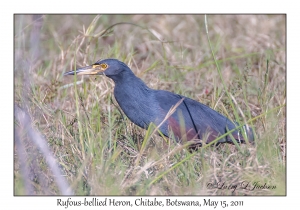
<point x="143" y="105"/>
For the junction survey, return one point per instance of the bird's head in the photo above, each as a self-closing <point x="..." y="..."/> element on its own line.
<point x="109" y="67"/>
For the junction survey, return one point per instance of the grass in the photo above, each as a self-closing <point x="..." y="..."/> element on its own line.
<point x="237" y="68"/>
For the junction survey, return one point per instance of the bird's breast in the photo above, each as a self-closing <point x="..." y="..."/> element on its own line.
<point x="137" y="106"/>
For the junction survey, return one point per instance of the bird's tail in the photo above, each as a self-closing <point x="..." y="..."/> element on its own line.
<point x="241" y="135"/>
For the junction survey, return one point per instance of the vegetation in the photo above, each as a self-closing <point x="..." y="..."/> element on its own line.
<point x="238" y="68"/>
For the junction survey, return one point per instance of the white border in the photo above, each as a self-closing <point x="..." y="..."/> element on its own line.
<point x="154" y="6"/>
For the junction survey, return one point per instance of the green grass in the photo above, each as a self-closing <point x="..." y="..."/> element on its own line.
<point x="100" y="152"/>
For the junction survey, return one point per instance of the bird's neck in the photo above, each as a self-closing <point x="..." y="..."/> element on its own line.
<point x="131" y="89"/>
<point x="127" y="81"/>
<point x="134" y="98"/>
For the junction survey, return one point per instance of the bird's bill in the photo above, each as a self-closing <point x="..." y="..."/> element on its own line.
<point x="88" y="70"/>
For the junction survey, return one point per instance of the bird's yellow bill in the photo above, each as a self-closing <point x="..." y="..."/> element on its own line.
<point x="88" y="70"/>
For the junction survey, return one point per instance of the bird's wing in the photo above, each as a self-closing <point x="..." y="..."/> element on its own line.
<point x="197" y="117"/>
<point x="200" y="121"/>
<point x="207" y="118"/>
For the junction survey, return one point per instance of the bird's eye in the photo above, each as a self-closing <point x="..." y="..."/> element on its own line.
<point x="103" y="65"/>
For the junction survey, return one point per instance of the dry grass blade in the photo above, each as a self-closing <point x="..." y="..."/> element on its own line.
<point x="38" y="140"/>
